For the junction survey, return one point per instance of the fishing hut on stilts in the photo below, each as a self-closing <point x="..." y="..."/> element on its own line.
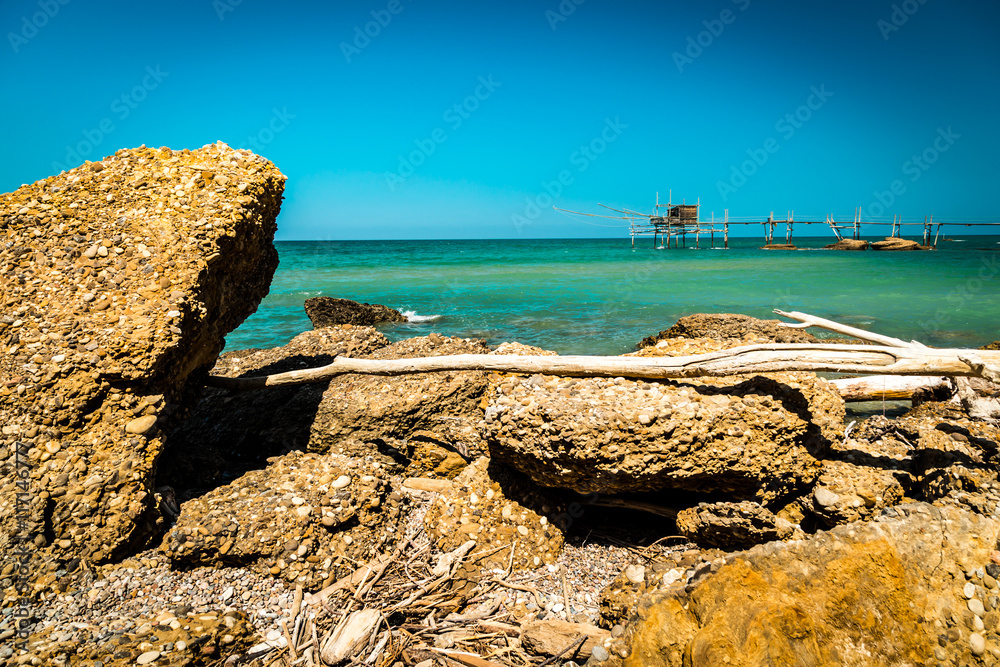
<point x="671" y="225"/>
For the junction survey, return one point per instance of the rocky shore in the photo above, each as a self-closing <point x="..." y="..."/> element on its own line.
<point x="466" y="518"/>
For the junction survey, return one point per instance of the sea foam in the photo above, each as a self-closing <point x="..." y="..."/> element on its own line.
<point x="411" y="316"/>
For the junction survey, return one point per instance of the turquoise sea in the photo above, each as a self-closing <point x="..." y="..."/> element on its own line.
<point x="601" y="296"/>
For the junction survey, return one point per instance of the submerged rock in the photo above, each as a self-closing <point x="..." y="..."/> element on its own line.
<point x="324" y="311"/>
<point x="896" y="243"/>
<point x="848" y="244"/>
<point x="910" y="585"/>
<point x="121" y="278"/>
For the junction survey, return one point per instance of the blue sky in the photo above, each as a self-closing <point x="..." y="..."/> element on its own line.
<point x="471" y="119"/>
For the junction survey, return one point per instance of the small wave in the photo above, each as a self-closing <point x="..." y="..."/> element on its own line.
<point x="411" y="316"/>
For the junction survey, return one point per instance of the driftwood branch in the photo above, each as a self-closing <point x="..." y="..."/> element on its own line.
<point x="836" y="327"/>
<point x="979" y="366"/>
<point x="749" y="359"/>
<point x="886" y="387"/>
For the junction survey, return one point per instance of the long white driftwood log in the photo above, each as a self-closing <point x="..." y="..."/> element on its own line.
<point x="899" y="367"/>
<point x="749" y="359"/>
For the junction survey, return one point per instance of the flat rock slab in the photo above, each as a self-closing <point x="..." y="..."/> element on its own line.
<point x="755" y="438"/>
<point x="306" y="518"/>
<point x="121" y="278"/>
<point x="325" y="311"/>
<point x="551" y="636"/>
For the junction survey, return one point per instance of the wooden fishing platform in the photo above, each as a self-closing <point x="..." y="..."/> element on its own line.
<point x="671" y="225"/>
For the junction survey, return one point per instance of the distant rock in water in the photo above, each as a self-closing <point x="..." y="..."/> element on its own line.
<point x="121" y="279"/>
<point x="324" y="311"/>
<point x="895" y="243"/>
<point x="848" y="244"/>
<point x="722" y="326"/>
<point x="779" y="246"/>
<point x="995" y="345"/>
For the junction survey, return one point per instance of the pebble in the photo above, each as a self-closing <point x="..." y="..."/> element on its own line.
<point x="977" y="643"/>
<point x="340" y="482"/>
<point x="147" y="657"/>
<point x="600" y="654"/>
<point x="969" y="590"/>
<point x="976" y="607"/>
<point x="141" y="425"/>
<point x="635" y="573"/>
<point x="825" y="497"/>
